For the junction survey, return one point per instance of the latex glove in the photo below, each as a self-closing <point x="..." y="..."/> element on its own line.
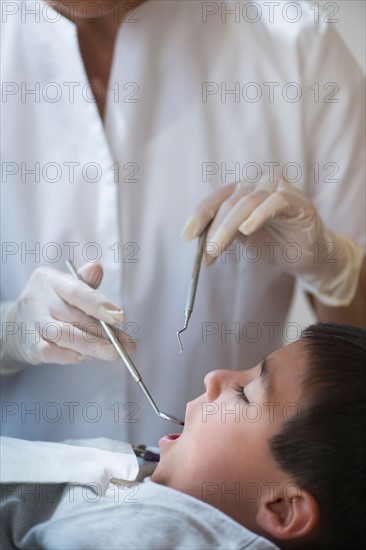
<point x="285" y="230"/>
<point x="65" y="313"/>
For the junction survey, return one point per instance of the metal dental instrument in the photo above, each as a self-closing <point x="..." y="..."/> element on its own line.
<point x="192" y="289"/>
<point x="126" y="358"/>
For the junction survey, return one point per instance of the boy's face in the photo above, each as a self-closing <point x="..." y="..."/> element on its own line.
<point x="223" y="456"/>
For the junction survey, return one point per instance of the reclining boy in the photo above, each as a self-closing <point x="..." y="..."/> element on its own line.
<point x="279" y="449"/>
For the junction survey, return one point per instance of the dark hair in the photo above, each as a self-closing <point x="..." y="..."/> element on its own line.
<point x="324" y="447"/>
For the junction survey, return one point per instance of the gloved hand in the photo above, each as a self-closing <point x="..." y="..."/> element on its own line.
<point x="64" y="312"/>
<point x="285" y="230"/>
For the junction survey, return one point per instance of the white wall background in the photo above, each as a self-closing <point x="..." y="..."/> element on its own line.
<point x="351" y="26"/>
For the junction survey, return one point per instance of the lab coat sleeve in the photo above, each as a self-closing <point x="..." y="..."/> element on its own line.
<point x="334" y="123"/>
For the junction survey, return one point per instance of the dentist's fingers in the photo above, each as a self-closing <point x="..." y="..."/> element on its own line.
<point x="58" y="303"/>
<point x="92" y="345"/>
<point x="65" y="343"/>
<point x="82" y="296"/>
<point x="47" y="352"/>
<point x="226" y="207"/>
<point x="276" y="205"/>
<point x="229" y="226"/>
<point x="91" y="274"/>
<point x="233" y="212"/>
<point x="62" y="312"/>
<point x="205" y="212"/>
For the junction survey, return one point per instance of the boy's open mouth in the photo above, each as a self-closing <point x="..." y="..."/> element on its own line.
<point x="170" y="437"/>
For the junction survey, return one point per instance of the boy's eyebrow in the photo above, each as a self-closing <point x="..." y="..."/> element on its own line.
<point x="266" y="377"/>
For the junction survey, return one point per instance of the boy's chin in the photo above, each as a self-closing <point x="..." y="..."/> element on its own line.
<point x="158" y="475"/>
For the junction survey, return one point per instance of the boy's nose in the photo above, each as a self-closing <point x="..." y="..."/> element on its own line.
<point x="216" y="380"/>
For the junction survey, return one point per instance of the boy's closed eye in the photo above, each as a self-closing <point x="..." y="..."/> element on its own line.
<point x="240" y="390"/>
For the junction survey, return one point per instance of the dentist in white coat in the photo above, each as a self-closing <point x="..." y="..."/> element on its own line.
<point x="120" y="119"/>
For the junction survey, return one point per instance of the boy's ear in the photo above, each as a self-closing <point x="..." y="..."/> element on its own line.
<point x="291" y="516"/>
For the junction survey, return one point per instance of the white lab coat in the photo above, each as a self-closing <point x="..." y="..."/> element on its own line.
<point x="161" y="126"/>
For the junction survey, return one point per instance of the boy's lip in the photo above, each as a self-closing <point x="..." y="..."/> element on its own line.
<point x="169" y="438"/>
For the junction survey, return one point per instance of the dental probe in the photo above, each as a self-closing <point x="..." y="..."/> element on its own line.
<point x="192" y="289"/>
<point x="125" y="357"/>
